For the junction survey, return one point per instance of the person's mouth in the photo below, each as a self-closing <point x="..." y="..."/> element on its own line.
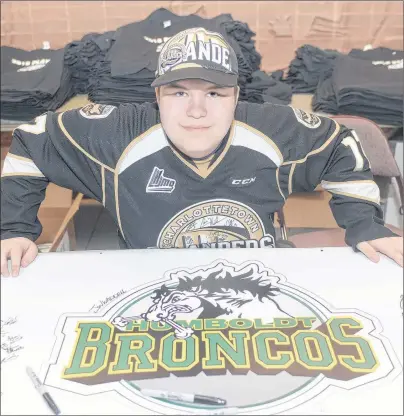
<point x="195" y="128"/>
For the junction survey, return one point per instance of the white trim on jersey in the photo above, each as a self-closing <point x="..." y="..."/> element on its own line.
<point x="149" y="144"/>
<point x="17" y="165"/>
<point x="247" y="138"/>
<point x="356" y="189"/>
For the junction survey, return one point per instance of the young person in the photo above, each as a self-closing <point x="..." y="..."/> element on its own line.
<point x="197" y="169"/>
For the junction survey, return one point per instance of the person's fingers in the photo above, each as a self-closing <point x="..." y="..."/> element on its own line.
<point x="394" y="254"/>
<point x="400" y="245"/>
<point x="398" y="258"/>
<point x="368" y="251"/>
<point x="16" y="254"/>
<point x="4" y="262"/>
<point x="391" y="247"/>
<point x="395" y="243"/>
<point x="29" y="255"/>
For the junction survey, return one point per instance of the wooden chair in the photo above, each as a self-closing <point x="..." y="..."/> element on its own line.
<point x="377" y="149"/>
<point x="67" y="225"/>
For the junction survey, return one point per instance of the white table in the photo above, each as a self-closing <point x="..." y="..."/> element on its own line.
<point x="278" y="357"/>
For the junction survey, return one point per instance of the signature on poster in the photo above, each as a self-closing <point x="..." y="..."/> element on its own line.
<point x="10" y="341"/>
<point x="108" y="299"/>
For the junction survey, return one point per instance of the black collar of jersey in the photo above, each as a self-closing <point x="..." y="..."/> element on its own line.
<point x="215" y="153"/>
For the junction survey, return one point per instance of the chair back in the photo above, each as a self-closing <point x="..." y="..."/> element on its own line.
<point x="374" y="143"/>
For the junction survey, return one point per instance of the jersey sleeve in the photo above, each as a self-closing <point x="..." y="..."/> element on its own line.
<point x="23" y="188"/>
<point x="318" y="151"/>
<point x="337" y="162"/>
<point x="76" y="149"/>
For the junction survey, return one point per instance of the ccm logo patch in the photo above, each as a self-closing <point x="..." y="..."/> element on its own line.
<point x="245" y="181"/>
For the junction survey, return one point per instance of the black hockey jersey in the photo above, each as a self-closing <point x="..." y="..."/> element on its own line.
<point x="159" y="199"/>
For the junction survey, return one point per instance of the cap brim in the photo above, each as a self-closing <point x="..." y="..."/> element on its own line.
<point x="209" y="75"/>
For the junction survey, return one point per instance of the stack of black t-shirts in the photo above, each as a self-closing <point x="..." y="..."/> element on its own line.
<point x="324" y="99"/>
<point x="309" y="65"/>
<point x="82" y="55"/>
<point x="32" y="82"/>
<point x="129" y="66"/>
<point x="244" y="37"/>
<point x="380" y="56"/>
<point x="365" y="88"/>
<point x="267" y="88"/>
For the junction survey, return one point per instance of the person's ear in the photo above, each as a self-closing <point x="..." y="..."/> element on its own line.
<point x="157" y="91"/>
<point x="237" y="95"/>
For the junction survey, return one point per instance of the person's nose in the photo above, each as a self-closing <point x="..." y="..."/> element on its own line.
<point x="197" y="106"/>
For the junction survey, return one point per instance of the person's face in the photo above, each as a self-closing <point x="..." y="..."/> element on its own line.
<point x="196" y="114"/>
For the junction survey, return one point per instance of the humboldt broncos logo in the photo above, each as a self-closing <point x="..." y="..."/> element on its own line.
<point x="221" y="293"/>
<point x="215" y="224"/>
<point x="201" y="329"/>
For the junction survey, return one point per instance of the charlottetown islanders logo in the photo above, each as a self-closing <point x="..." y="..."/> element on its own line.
<point x="239" y="332"/>
<point x="215" y="224"/>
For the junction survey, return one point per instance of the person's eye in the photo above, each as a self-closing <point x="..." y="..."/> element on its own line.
<point x="180" y="94"/>
<point x="214" y="94"/>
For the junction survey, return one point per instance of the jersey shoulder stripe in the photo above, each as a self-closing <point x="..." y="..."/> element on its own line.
<point x="15" y="165"/>
<point x="151" y="141"/>
<point x="251" y="138"/>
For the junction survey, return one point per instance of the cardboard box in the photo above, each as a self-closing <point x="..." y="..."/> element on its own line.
<point x="309" y="210"/>
<point x="52" y="211"/>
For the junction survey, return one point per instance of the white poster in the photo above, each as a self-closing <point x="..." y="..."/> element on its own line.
<point x="301" y="331"/>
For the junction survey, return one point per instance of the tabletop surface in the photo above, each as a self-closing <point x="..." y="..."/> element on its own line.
<point x="301" y="331"/>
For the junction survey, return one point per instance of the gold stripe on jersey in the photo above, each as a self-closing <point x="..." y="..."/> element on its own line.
<point x="103" y="184"/>
<point x="118" y="215"/>
<point x="36" y="175"/>
<point x="290" y="184"/>
<point x="320" y="149"/>
<point x="279" y="186"/>
<point x="203" y="165"/>
<point x="205" y="170"/>
<point x="74" y="143"/>
<point x="366" y="190"/>
<point x="25" y="159"/>
<point x="185" y="161"/>
<point x="204" y="161"/>
<point x="121" y="159"/>
<point x="224" y="151"/>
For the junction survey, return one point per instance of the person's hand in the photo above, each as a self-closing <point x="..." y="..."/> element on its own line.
<point x="390" y="246"/>
<point x="20" y="250"/>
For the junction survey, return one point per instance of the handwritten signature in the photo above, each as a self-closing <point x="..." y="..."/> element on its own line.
<point x="5" y="324"/>
<point x="8" y="357"/>
<point x="10" y="343"/>
<point x="96" y="307"/>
